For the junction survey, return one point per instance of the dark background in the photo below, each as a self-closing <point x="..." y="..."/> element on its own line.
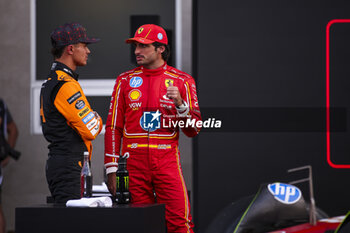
<point x="260" y="67"/>
<point x="265" y="56"/>
<point x="109" y="20"/>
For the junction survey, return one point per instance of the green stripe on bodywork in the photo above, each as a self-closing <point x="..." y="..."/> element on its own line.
<point x="246" y="211"/>
<point x="341" y="224"/>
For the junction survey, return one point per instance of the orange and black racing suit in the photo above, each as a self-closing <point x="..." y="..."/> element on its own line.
<point x="69" y="125"/>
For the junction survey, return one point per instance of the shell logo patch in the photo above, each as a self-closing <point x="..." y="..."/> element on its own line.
<point x="140" y="30"/>
<point x="168" y="81"/>
<point x="134" y="95"/>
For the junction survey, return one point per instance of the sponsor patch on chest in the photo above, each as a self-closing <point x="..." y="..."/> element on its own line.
<point x="134" y="95"/>
<point x="135" y="106"/>
<point x="135" y="82"/>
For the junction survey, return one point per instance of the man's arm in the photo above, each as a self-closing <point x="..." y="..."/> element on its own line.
<point x="113" y="134"/>
<point x="186" y="102"/>
<point x="12" y="133"/>
<point x="71" y="102"/>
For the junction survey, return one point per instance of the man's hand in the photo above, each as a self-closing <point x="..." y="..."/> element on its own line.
<point x="172" y="92"/>
<point x="112" y="183"/>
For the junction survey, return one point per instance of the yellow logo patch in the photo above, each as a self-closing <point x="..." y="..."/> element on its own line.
<point x="83" y="112"/>
<point x="168" y="81"/>
<point x="140" y="30"/>
<point x="134" y="95"/>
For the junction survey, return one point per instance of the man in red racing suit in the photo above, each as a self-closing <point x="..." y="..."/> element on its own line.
<point x="148" y="105"/>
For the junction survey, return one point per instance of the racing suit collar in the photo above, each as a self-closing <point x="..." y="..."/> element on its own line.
<point x="154" y="71"/>
<point x="60" y="66"/>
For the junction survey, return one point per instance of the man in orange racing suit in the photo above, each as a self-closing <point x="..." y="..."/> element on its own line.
<point x="148" y="105"/>
<point x="68" y="122"/>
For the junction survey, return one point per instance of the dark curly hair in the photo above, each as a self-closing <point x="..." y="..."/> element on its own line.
<point x="166" y="53"/>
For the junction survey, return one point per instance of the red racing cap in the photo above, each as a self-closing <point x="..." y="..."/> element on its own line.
<point x="70" y="33"/>
<point x="149" y="33"/>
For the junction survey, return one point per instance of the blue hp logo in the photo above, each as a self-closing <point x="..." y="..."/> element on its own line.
<point x="136" y="82"/>
<point x="285" y="193"/>
<point x="150" y="121"/>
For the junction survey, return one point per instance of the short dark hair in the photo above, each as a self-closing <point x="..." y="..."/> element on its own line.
<point x="166" y="53"/>
<point x="56" y="51"/>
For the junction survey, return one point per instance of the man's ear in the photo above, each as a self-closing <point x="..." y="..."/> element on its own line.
<point x="161" y="48"/>
<point x="70" y="49"/>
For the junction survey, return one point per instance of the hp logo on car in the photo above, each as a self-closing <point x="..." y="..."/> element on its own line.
<point x="285" y="193"/>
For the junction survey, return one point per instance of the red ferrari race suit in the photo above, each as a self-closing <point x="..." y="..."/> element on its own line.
<point x="148" y="123"/>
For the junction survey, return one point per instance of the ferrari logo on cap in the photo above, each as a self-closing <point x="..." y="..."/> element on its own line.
<point x="140" y="30"/>
<point x="168" y="81"/>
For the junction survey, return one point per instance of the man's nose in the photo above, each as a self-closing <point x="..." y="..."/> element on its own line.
<point x="137" y="50"/>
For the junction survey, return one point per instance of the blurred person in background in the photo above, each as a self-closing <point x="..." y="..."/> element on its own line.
<point x="8" y="138"/>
